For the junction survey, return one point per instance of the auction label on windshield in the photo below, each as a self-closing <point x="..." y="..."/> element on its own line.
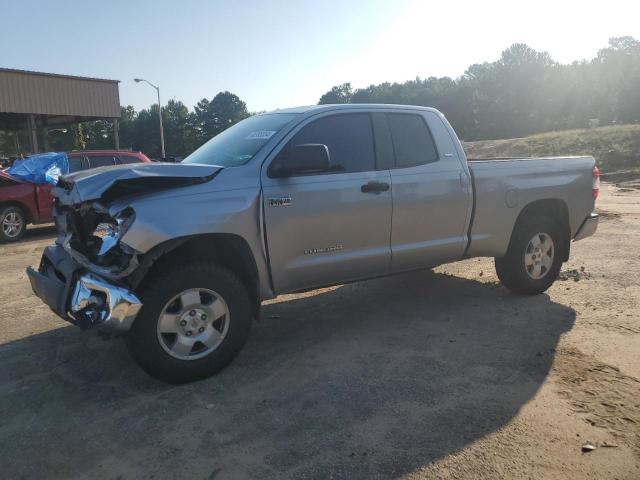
<point x="260" y="135"/>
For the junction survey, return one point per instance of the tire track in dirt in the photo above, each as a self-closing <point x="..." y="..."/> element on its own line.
<point x="601" y="395"/>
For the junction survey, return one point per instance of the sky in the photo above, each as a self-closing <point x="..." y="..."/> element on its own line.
<point x="278" y="54"/>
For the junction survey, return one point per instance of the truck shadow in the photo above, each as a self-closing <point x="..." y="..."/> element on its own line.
<point x="371" y="379"/>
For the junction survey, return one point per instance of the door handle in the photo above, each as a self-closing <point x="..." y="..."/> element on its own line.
<point x="374" y="187"/>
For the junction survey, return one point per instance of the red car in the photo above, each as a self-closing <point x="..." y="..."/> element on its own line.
<point x="22" y="203"/>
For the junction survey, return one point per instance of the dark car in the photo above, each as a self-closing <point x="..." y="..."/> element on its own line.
<point x="22" y="202"/>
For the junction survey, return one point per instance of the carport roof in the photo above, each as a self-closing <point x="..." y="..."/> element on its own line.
<point x="59" y="75"/>
<point x="39" y="93"/>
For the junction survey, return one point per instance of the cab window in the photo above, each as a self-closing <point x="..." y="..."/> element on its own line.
<point x="412" y="140"/>
<point x="101" y="161"/>
<point x="75" y="163"/>
<point x="349" y="138"/>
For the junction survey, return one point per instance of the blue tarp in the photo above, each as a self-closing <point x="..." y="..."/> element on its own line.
<point x="41" y="168"/>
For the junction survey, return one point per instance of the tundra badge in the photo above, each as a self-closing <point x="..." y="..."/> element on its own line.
<point x="283" y="201"/>
<point x="313" y="251"/>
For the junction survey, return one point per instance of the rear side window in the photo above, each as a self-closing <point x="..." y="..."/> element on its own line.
<point x="128" y="159"/>
<point x="99" y="161"/>
<point x="75" y="164"/>
<point x="412" y="141"/>
<point x="349" y="139"/>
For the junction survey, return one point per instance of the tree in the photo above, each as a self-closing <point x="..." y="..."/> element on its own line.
<point x="126" y="126"/>
<point x="618" y="78"/>
<point x="146" y="132"/>
<point x="521" y="93"/>
<point x="213" y="117"/>
<point x="175" y="119"/>
<point x="225" y="110"/>
<point x="339" y="94"/>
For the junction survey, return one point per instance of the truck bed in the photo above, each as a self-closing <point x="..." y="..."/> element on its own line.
<point x="503" y="186"/>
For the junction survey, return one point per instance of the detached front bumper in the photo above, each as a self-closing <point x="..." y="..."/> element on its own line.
<point x="80" y="297"/>
<point x="588" y="227"/>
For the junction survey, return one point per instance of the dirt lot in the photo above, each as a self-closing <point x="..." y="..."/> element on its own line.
<point x="440" y="374"/>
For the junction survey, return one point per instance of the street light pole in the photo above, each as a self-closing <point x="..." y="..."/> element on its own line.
<point x="138" y="80"/>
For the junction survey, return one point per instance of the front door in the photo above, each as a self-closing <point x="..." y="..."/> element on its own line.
<point x="333" y="226"/>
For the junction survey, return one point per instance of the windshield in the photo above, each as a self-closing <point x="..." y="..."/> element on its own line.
<point x="238" y="144"/>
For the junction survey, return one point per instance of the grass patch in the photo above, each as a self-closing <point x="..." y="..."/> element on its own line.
<point x="614" y="147"/>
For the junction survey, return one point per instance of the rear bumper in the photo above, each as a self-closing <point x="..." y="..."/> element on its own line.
<point x="80" y="297"/>
<point x="588" y="227"/>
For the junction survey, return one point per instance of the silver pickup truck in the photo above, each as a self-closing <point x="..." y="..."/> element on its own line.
<point x="178" y="257"/>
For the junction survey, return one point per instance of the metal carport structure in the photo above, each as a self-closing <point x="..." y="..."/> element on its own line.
<point x="34" y="100"/>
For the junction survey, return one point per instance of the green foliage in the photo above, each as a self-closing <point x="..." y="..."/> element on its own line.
<point x="339" y="94"/>
<point x="184" y="131"/>
<point x="522" y="93"/>
<point x="212" y="117"/>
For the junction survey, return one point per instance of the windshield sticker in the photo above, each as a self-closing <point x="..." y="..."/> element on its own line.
<point x="261" y="135"/>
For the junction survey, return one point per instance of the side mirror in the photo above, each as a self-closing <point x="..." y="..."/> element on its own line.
<point x="301" y="159"/>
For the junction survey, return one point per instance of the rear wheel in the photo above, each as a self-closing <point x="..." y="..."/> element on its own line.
<point x="13" y="223"/>
<point x="194" y="321"/>
<point x="534" y="257"/>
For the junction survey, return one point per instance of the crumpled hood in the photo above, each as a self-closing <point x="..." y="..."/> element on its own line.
<point x="108" y="183"/>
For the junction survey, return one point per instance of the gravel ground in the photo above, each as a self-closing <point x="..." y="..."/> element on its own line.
<point x="441" y="374"/>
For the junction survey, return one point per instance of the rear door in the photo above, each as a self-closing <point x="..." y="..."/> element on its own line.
<point x="334" y="226"/>
<point x="432" y="196"/>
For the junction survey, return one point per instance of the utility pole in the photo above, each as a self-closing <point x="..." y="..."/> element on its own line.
<point x="138" y="80"/>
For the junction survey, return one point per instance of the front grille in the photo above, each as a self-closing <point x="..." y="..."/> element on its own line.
<point x="69" y="221"/>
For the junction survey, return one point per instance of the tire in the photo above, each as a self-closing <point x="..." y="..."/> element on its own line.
<point x="13" y="224"/>
<point x="526" y="270"/>
<point x="164" y="355"/>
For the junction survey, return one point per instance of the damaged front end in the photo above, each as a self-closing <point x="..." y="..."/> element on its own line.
<point x="97" y="302"/>
<point x="81" y="297"/>
<point x="91" y="236"/>
<point x="84" y="277"/>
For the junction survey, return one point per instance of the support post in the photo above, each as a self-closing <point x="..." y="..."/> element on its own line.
<point x="33" y="133"/>
<point x="45" y="138"/>
<point x="16" y="140"/>
<point x="116" y="135"/>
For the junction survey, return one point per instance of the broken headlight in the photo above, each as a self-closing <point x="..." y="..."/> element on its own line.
<point x="108" y="233"/>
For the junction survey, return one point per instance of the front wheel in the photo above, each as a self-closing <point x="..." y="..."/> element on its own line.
<point x="534" y="257"/>
<point x="193" y="322"/>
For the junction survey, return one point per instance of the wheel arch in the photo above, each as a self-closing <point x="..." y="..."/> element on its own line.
<point x="20" y="205"/>
<point x="226" y="249"/>
<point x="554" y="208"/>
